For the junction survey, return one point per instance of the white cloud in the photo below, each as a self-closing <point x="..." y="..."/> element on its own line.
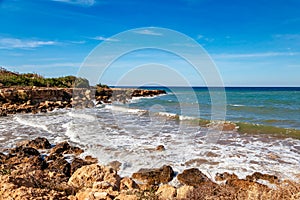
<point x="148" y="32"/>
<point x="100" y="38"/>
<point x="15" y="43"/>
<point x="78" y="2"/>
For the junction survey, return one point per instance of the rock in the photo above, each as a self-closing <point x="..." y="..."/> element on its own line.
<point x="65" y="148"/>
<point x="91" y="159"/>
<point x="155" y="176"/>
<point x="166" y="192"/>
<point x="160" y="148"/>
<point x="60" y="165"/>
<point x="257" y="175"/>
<point x="24" y="151"/>
<point x="78" y="163"/>
<point x="126" y="197"/>
<point x="115" y="165"/>
<point x="184" y="191"/>
<point x="38" y="143"/>
<point x="128" y="184"/>
<point x="193" y="177"/>
<point x="225" y="176"/>
<point x="89" y="194"/>
<point x="86" y="176"/>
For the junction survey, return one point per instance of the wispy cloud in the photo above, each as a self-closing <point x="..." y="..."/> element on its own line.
<point x="78" y="2"/>
<point x="202" y="37"/>
<point x="148" y="32"/>
<point x="101" y="38"/>
<point x="15" y="43"/>
<point x="287" y="36"/>
<point x="256" y="55"/>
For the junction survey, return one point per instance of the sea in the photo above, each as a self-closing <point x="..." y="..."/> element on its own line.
<point x="130" y="132"/>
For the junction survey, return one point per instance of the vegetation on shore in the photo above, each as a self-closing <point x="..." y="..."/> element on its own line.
<point x="8" y="79"/>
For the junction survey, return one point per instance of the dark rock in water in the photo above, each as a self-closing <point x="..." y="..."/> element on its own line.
<point x="257" y="175"/>
<point x="193" y="177"/>
<point x="61" y="166"/>
<point x="155" y="176"/>
<point x="115" y="165"/>
<point x="60" y="148"/>
<point x="160" y="148"/>
<point x="65" y="148"/>
<point x="78" y="163"/>
<point x="25" y="151"/>
<point x="38" y="143"/>
<point x="3" y="158"/>
<point x="225" y="176"/>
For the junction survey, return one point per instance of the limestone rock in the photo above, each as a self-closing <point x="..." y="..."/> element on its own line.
<point x="155" y="176"/>
<point x="184" y="191"/>
<point x="166" y="192"/>
<point x="85" y="176"/>
<point x="193" y="177"/>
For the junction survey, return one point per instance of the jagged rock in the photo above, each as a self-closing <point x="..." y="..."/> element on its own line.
<point x="257" y="175"/>
<point x="193" y="177"/>
<point x="160" y="148"/>
<point x="38" y="143"/>
<point x="155" y="176"/>
<point x="86" y="176"/>
<point x="60" y="165"/>
<point x="166" y="192"/>
<point x="24" y="151"/>
<point x="225" y="176"/>
<point x="128" y="184"/>
<point x="65" y="148"/>
<point x="78" y="163"/>
<point x="115" y="165"/>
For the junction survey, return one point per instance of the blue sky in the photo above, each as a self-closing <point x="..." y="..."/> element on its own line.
<point x="252" y="43"/>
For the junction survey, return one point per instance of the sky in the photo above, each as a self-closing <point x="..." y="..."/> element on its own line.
<point x="250" y="43"/>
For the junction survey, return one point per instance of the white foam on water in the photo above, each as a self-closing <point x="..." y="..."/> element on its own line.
<point x="25" y="120"/>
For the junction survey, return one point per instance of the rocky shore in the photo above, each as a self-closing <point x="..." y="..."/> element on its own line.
<point x="37" y="169"/>
<point x="40" y="99"/>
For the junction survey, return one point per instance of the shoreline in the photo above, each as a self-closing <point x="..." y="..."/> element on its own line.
<point x="42" y="99"/>
<point x="37" y="169"/>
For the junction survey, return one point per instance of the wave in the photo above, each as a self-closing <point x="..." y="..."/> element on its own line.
<point x="34" y="124"/>
<point x="241" y="127"/>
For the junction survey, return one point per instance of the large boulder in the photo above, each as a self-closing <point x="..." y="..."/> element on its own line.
<point x="155" y="176"/>
<point x="96" y="176"/>
<point x="193" y="177"/>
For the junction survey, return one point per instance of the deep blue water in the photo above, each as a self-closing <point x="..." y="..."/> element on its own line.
<point x="274" y="106"/>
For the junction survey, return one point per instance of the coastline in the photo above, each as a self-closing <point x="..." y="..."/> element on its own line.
<point x="37" y="169"/>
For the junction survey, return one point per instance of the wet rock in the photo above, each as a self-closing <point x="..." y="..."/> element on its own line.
<point x="257" y="175"/>
<point x="160" y="148"/>
<point x="24" y="151"/>
<point x="78" y="163"/>
<point x="61" y="166"/>
<point x="115" y="165"/>
<point x="65" y="148"/>
<point x="38" y="143"/>
<point x="155" y="176"/>
<point x="193" y="177"/>
<point x="225" y="176"/>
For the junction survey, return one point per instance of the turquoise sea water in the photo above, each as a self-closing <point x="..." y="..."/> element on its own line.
<point x="272" y="106"/>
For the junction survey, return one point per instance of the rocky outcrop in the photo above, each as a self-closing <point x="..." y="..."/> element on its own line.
<point x="33" y="99"/>
<point x="155" y="176"/>
<point x="193" y="177"/>
<point x="28" y="173"/>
